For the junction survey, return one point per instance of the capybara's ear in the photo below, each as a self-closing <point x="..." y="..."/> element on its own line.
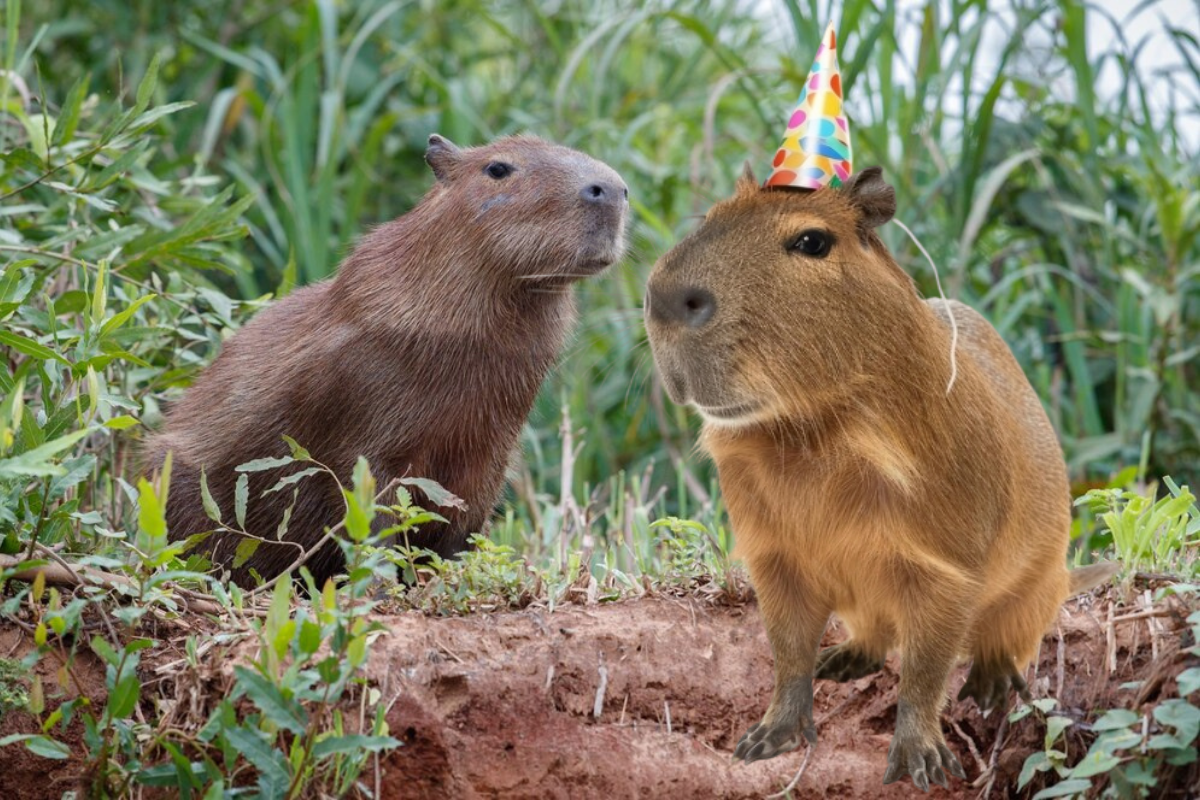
<point x="746" y="182"/>
<point x="872" y="196"/>
<point x="441" y="155"/>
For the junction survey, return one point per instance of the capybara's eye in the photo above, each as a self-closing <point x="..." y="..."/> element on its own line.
<point x="813" y="243"/>
<point x="498" y="170"/>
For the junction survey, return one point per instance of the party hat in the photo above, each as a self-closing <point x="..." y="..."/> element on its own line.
<point x="816" y="149"/>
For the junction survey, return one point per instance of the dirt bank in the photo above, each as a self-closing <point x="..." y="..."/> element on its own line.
<point x="503" y="705"/>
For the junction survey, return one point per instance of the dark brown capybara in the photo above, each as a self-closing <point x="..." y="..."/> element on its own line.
<point x="424" y="353"/>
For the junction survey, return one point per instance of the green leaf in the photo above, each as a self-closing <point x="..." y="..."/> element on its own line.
<point x="68" y="118"/>
<point x="260" y="464"/>
<point x="149" y="117"/>
<point x="121" y="423"/>
<point x="285" y="713"/>
<point x="1068" y="787"/>
<point x="77" y="469"/>
<point x="277" y="613"/>
<point x="124" y="697"/>
<point x="1094" y="763"/>
<point x="283" y="638"/>
<point x="1037" y="762"/>
<point x="1189" y="681"/>
<point x="39" y="745"/>
<point x="241" y="495"/>
<point x="436" y="492"/>
<point x="36" y="462"/>
<point x="29" y="347"/>
<point x="100" y="293"/>
<point x="353" y="743"/>
<point x="271" y="763"/>
<point x="152" y="517"/>
<point x="358" y="519"/>
<point x="356" y="651"/>
<point x="1116" y="718"/>
<point x="295" y="477"/>
<point x="1181" y="756"/>
<point x="122" y="316"/>
<point x="102" y="648"/>
<point x="1054" y="727"/>
<point x="211" y="509"/>
<point x="246" y="549"/>
<point x="145" y="90"/>
<point x="298" y="452"/>
<point x="1182" y="716"/>
<point x="310" y="637"/>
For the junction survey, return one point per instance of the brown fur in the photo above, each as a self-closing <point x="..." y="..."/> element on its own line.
<point x="930" y="523"/>
<point x="423" y="354"/>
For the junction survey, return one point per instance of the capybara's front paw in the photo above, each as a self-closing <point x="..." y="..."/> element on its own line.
<point x="988" y="686"/>
<point x="922" y="760"/>
<point x="846" y="662"/>
<point x="789" y="717"/>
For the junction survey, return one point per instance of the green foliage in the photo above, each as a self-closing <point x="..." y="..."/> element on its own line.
<point x="13" y="694"/>
<point x="1152" y="534"/>
<point x="488" y="577"/>
<point x="284" y="717"/>
<point x="93" y="336"/>
<point x="1129" y="753"/>
<point x="1067" y="215"/>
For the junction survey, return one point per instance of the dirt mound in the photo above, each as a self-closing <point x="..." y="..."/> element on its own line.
<point x="504" y="705"/>
<point x="646" y="698"/>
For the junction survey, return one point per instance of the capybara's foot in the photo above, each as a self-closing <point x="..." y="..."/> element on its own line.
<point x="846" y="662"/>
<point x="922" y="760"/>
<point x="988" y="685"/>
<point x="789" y="717"/>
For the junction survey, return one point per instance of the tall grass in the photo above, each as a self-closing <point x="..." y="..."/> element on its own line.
<point x="1069" y="216"/>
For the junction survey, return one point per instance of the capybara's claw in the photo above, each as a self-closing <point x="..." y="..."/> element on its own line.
<point x="846" y="662"/>
<point x="988" y="687"/>
<point x="922" y="762"/>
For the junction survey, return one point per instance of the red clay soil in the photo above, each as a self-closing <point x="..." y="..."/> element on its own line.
<point x="501" y="705"/>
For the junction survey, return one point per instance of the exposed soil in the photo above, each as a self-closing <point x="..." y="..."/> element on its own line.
<point x="501" y="705"/>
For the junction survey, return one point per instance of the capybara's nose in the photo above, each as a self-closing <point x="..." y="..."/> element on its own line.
<point x="604" y="192"/>
<point x="683" y="305"/>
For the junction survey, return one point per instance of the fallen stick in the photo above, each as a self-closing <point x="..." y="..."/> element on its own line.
<point x="799" y="774"/>
<point x="598" y="707"/>
<point x="64" y="574"/>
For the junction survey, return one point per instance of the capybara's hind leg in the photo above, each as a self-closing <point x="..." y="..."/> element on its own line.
<point x="794" y="627"/>
<point x="846" y="662"/>
<point x="988" y="684"/>
<point x="860" y="655"/>
<point x="1007" y="637"/>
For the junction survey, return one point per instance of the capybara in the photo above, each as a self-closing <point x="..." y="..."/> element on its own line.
<point x="931" y="522"/>
<point x="424" y="354"/>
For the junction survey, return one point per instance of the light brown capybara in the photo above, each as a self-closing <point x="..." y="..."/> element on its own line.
<point x="424" y="353"/>
<point x="928" y="521"/>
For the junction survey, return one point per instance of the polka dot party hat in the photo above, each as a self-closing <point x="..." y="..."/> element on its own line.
<point x="816" y="149"/>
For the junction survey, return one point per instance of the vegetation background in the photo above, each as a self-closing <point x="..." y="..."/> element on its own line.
<point x="1068" y="216"/>
<point x="167" y="167"/>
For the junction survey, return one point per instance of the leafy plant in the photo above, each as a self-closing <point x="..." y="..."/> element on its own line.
<point x="283" y="716"/>
<point x="1154" y="534"/>
<point x="1130" y="753"/>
